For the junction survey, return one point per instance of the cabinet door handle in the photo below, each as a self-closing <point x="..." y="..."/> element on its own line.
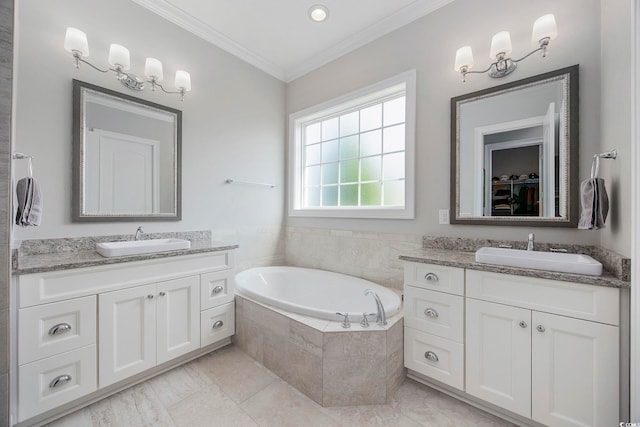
<point x="150" y="296"/>
<point x="431" y="277"/>
<point x="218" y="324"/>
<point x="431" y="312"/>
<point x="523" y="324"/>
<point x="163" y="293"/>
<point x="59" y="380"/>
<point x="430" y="355"/>
<point x="217" y="289"/>
<point x="59" y="329"/>
<point x="540" y="328"/>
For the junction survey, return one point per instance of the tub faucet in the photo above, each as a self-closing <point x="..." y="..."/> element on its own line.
<point x="381" y="317"/>
<point x="139" y="233"/>
<point x="531" y="244"/>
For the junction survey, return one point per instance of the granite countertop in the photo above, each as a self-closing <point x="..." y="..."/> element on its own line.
<point x="52" y="260"/>
<point x="464" y="259"/>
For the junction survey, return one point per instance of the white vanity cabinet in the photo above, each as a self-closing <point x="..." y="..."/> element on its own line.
<point x="162" y="319"/>
<point x="82" y="333"/>
<point x="434" y="322"/>
<point x="545" y="350"/>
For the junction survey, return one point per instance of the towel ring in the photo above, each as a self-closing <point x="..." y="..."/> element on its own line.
<point x="20" y="156"/>
<point x="595" y="165"/>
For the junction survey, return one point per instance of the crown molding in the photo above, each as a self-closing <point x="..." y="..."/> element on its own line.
<point x="194" y="25"/>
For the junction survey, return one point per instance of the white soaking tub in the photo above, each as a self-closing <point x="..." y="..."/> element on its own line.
<point x="316" y="293"/>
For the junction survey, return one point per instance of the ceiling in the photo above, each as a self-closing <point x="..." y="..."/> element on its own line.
<point x="278" y="37"/>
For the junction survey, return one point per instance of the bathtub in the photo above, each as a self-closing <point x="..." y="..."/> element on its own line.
<point x="316" y="293"/>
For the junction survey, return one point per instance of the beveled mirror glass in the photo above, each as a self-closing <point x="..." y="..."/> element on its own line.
<point x="514" y="153"/>
<point x="127" y="155"/>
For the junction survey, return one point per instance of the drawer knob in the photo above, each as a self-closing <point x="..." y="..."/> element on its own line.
<point x="217" y="289"/>
<point x="163" y="293"/>
<point x="59" y="329"/>
<point x="431" y="312"/>
<point x="59" y="380"/>
<point x="218" y="324"/>
<point x="150" y="296"/>
<point x="431" y="356"/>
<point x="540" y="328"/>
<point x="523" y="324"/>
<point x="431" y="277"/>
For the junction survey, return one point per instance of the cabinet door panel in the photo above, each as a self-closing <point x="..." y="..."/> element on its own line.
<point x="498" y="355"/>
<point x="178" y="322"/>
<point x="574" y="371"/>
<point x="127" y="338"/>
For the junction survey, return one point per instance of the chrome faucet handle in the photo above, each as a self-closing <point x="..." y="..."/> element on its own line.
<point x="139" y="233"/>
<point x="365" y="319"/>
<point x="345" y="323"/>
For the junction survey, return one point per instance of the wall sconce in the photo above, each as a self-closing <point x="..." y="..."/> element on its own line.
<point x="544" y="30"/>
<point x="75" y="42"/>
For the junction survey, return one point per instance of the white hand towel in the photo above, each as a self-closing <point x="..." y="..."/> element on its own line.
<point x="595" y="204"/>
<point x="29" y="202"/>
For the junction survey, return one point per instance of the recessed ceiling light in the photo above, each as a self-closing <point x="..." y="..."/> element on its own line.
<point x="318" y="13"/>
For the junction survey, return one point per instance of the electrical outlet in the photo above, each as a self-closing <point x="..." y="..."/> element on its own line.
<point x="443" y="216"/>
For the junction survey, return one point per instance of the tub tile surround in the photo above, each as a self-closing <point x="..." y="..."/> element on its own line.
<point x="38" y="256"/>
<point x="331" y="365"/>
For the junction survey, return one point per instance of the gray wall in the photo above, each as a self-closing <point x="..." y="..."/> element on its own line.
<point x="6" y="75"/>
<point x="232" y="122"/>
<point x="616" y="121"/>
<point x="429" y="45"/>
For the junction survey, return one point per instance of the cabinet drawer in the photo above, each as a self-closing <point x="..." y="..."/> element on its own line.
<point x="217" y="323"/>
<point x="216" y="289"/>
<point x="50" y="329"/>
<point x="51" y="382"/>
<point x="435" y="277"/>
<point x="437" y="313"/>
<point x="435" y="357"/>
<point x="589" y="302"/>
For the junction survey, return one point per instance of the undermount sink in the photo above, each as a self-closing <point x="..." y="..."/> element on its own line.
<point x="550" y="261"/>
<point x="137" y="247"/>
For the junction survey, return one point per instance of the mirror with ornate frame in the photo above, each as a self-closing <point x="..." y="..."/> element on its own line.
<point x="126" y="157"/>
<point x="514" y="153"/>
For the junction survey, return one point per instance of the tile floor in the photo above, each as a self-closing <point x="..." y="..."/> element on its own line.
<point x="228" y="388"/>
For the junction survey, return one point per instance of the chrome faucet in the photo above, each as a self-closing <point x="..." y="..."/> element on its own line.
<point x="139" y="233"/>
<point x="381" y="317"/>
<point x="531" y="244"/>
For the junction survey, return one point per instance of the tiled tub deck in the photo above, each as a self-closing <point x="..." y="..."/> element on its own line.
<point x="332" y="365"/>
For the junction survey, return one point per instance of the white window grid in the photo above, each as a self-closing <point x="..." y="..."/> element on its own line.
<point x="359" y="182"/>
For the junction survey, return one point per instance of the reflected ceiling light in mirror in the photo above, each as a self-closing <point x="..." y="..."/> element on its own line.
<point x="75" y="42"/>
<point x="544" y="30"/>
<point x="318" y="13"/>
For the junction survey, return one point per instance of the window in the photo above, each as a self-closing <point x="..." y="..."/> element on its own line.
<point x="354" y="156"/>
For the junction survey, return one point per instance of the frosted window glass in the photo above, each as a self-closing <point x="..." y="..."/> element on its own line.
<point x="393" y="138"/>
<point x="330" y="129"/>
<point x="349" y="147"/>
<point x="349" y="195"/>
<point x="349" y="171"/>
<point x="393" y="166"/>
<point x="330" y="173"/>
<point x="371" y="143"/>
<point x="330" y="151"/>
<point x="330" y="196"/>
<point x="312" y="134"/>
<point x="312" y="196"/>
<point x="371" y="118"/>
<point x="394" y="193"/>
<point x="394" y="111"/>
<point x="370" y="169"/>
<point x="312" y="175"/>
<point x="370" y="194"/>
<point x="349" y="123"/>
<point x="312" y="154"/>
